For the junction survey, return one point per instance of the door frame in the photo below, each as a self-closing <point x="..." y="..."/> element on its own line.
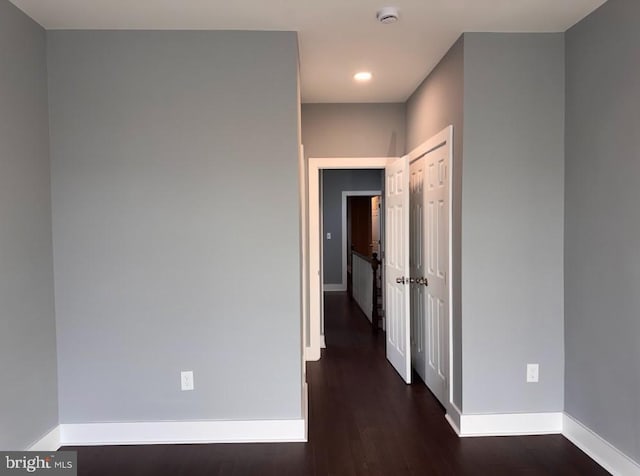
<point x="345" y="195"/>
<point x="315" y="165"/>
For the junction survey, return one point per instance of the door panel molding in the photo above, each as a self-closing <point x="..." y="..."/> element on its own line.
<point x="438" y="175"/>
<point x="396" y="266"/>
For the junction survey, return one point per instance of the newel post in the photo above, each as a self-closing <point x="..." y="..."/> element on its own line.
<point x="374" y="311"/>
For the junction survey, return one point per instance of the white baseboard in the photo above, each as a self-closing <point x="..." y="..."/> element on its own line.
<point x="598" y="449"/>
<point x="334" y="287"/>
<point x="49" y="442"/>
<point x="323" y="343"/>
<point x="453" y="416"/>
<point x="88" y="434"/>
<point x="173" y="432"/>
<point x="510" y="424"/>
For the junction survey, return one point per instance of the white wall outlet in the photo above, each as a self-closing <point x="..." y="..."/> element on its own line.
<point x="328" y="236"/>
<point x="186" y="380"/>
<point x="533" y="373"/>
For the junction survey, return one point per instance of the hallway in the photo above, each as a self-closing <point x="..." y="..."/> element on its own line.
<point x="364" y="421"/>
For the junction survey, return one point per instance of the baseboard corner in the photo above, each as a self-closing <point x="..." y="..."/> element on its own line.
<point x="598" y="449"/>
<point x="51" y="441"/>
<point x="312" y="354"/>
<point x="510" y="424"/>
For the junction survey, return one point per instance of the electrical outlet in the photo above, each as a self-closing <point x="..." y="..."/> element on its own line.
<point x="186" y="380"/>
<point x="533" y="373"/>
<point x="328" y="236"/>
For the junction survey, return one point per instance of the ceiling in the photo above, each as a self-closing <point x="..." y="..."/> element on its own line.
<point x="337" y="37"/>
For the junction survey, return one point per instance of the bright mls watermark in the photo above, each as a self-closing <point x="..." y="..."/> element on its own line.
<point x="39" y="462"/>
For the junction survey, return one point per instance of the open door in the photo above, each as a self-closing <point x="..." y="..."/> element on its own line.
<point x="397" y="266"/>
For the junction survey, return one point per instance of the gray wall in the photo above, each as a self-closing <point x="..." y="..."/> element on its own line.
<point x="436" y="104"/>
<point x="175" y="224"/>
<point x="512" y="222"/>
<point x="350" y="130"/>
<point x="353" y="130"/>
<point x="334" y="182"/>
<point x="28" y="400"/>
<point x="602" y="231"/>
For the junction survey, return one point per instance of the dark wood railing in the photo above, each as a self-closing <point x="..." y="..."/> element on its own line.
<point x="375" y="318"/>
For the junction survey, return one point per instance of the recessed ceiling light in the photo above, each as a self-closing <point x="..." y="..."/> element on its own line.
<point x="363" y="76"/>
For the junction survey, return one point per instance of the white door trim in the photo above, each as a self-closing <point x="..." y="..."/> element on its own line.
<point x="312" y="352"/>
<point x="345" y="195"/>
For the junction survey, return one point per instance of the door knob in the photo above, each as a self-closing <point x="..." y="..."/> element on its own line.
<point x="403" y="280"/>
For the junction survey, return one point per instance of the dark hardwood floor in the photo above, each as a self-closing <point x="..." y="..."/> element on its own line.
<point x="363" y="421"/>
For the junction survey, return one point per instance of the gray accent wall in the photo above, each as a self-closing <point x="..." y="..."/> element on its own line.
<point x="28" y="399"/>
<point x="512" y="222"/>
<point x="353" y="130"/>
<point x="436" y="104"/>
<point x="602" y="229"/>
<point x="334" y="182"/>
<point x="176" y="224"/>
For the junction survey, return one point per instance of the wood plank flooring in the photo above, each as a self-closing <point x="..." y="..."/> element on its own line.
<point x="363" y="421"/>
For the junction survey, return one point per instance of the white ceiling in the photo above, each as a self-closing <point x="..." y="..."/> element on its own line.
<point x="337" y="37"/>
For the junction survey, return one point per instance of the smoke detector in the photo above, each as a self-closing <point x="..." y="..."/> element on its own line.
<point x="387" y="15"/>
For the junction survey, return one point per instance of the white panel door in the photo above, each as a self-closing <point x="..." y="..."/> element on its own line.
<point x="397" y="266"/>
<point x="417" y="269"/>
<point x="436" y="233"/>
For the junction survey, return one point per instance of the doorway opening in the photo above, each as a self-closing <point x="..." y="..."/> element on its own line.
<point x="423" y="176"/>
<point x="318" y="237"/>
<point x="363" y="251"/>
<point x="350" y="221"/>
